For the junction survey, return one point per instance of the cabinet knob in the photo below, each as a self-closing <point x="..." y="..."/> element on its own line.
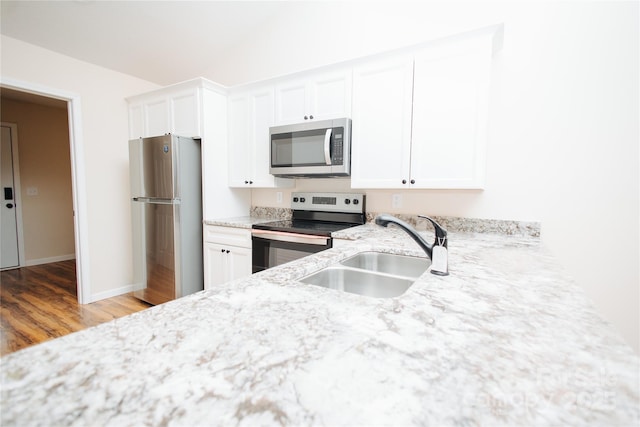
<point x="404" y="181"/>
<point x="222" y="250"/>
<point x="311" y="117"/>
<point x="306" y="118"/>
<point x="413" y="181"/>
<point x="228" y="251"/>
<point x="246" y="182"/>
<point x="250" y="182"/>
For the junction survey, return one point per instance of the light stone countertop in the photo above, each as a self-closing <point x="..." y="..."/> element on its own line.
<point x="506" y="339"/>
<point x="237" y="222"/>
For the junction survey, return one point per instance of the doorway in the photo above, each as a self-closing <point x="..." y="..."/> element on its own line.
<point x="70" y="102"/>
<point x="12" y="255"/>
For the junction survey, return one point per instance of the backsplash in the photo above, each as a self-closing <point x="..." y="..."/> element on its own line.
<point x="470" y="225"/>
<point x="452" y="224"/>
<point x="270" y="213"/>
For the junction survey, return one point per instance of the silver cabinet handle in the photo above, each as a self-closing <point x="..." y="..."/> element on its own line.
<point x="327" y="145"/>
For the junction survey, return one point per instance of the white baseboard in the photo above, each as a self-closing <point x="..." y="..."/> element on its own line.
<point x="111" y="293"/>
<point x="49" y="260"/>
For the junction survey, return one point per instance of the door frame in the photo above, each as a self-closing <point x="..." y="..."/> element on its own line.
<point x="17" y="197"/>
<point x="78" y="176"/>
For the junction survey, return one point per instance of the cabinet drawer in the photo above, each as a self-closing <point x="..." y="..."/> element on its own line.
<point x="227" y="236"/>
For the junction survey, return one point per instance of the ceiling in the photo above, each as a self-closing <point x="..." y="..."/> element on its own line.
<point x="152" y="40"/>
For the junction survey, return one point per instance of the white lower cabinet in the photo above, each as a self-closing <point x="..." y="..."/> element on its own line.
<point x="227" y="254"/>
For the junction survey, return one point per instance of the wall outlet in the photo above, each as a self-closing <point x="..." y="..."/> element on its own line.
<point x="279" y="197"/>
<point x="32" y="191"/>
<point x="396" y="200"/>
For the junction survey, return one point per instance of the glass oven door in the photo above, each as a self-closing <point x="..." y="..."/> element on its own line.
<point x="272" y="248"/>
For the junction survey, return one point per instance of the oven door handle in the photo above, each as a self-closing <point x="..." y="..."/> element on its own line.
<point x="327" y="146"/>
<point x="291" y="237"/>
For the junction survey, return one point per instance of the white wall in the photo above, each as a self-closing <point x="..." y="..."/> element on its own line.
<point x="105" y="139"/>
<point x="563" y="134"/>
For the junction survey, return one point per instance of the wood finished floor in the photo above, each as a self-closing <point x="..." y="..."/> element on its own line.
<point x="39" y="303"/>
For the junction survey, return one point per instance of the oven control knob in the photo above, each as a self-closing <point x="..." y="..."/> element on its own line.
<point x="356" y="201"/>
<point x="302" y="199"/>
<point x="295" y="200"/>
<point x="347" y="201"/>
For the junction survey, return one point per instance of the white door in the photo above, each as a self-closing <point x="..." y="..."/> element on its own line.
<point x="239" y="155"/>
<point x="239" y="262"/>
<point x="291" y="102"/>
<point x="215" y="265"/>
<point x="450" y="102"/>
<point x="381" y="133"/>
<point x="331" y="96"/>
<point x="261" y="104"/>
<point x="9" y="256"/>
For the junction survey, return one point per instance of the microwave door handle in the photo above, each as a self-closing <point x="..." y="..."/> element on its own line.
<point x="327" y="147"/>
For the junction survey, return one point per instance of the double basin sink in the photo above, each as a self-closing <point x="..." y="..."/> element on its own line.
<point x="373" y="274"/>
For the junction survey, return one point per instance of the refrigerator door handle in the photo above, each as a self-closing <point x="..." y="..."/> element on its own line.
<point x="157" y="201"/>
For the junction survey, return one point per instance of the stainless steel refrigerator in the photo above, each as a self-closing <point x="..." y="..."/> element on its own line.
<point x="166" y="190"/>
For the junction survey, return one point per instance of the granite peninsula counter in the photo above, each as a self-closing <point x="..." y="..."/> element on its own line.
<point x="505" y="339"/>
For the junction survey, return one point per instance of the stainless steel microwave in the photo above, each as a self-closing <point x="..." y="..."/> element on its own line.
<point x="311" y="149"/>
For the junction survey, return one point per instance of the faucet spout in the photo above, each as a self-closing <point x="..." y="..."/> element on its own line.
<point x="441" y="234"/>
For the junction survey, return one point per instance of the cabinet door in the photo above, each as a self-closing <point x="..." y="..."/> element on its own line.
<point x="215" y="265"/>
<point x="156" y="117"/>
<point x="262" y="117"/>
<point x="185" y="114"/>
<point x="238" y="139"/>
<point x="136" y="121"/>
<point x="450" y="102"/>
<point x="239" y="262"/>
<point x="381" y="133"/>
<point x="330" y="95"/>
<point x="291" y="102"/>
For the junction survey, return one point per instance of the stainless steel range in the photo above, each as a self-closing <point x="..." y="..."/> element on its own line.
<point x="315" y="217"/>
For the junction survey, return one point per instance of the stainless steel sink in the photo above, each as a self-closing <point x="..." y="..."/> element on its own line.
<point x="374" y="274"/>
<point x="359" y="282"/>
<point x="399" y="265"/>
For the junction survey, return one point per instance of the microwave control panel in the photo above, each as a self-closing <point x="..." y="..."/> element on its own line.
<point x="337" y="156"/>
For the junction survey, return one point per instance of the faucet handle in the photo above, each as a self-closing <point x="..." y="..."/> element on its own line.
<point x="439" y="254"/>
<point x="441" y="233"/>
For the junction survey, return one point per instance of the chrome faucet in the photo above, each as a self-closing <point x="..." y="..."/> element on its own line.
<point x="439" y="266"/>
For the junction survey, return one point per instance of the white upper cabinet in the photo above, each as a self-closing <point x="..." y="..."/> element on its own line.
<point x="450" y="106"/>
<point x="420" y="121"/>
<point x="251" y="114"/>
<point x="381" y="127"/>
<point x="238" y="140"/>
<point x="156" y="117"/>
<point x="185" y="115"/>
<point x="316" y="97"/>
<point x="175" y="110"/>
